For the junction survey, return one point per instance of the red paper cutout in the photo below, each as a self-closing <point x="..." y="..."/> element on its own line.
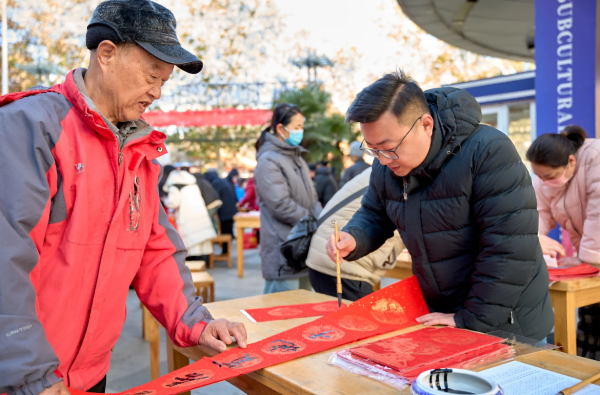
<point x="295" y="311"/>
<point x="357" y="323"/>
<point x="410" y="354"/>
<point x="570" y="273"/>
<point x="323" y="333"/>
<point x="403" y="301"/>
<point x="283" y="347"/>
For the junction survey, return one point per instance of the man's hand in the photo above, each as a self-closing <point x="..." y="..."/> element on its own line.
<point x="217" y="335"/>
<point x="551" y="247"/>
<point x="437" y="319"/>
<point x="346" y="245"/>
<point x="57" y="389"/>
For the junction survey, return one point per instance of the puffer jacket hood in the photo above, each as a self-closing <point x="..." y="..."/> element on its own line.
<point x="179" y="177"/>
<point x="456" y="115"/>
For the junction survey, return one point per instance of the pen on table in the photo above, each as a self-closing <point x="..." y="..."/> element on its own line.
<point x="337" y="261"/>
<point x="571" y="390"/>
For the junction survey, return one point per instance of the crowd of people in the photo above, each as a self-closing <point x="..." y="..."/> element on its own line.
<point x="81" y="220"/>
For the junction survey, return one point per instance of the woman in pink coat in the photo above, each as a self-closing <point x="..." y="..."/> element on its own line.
<point x="567" y="187"/>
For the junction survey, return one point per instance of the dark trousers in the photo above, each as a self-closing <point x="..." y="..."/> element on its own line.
<point x="227" y="229"/>
<point x="326" y="284"/>
<point x="99" y="388"/>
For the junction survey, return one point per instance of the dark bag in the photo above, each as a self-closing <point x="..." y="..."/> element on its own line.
<point x="295" y="249"/>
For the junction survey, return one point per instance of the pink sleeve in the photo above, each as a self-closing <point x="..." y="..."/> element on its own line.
<point x="547" y="222"/>
<point x="589" y="249"/>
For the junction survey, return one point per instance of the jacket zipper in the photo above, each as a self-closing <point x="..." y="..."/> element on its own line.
<point x="121" y="139"/>
<point x="512" y="319"/>
<point x="405" y="188"/>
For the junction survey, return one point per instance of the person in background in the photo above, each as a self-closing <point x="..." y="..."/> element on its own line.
<point x="312" y="170"/>
<point x="249" y="201"/>
<point x="166" y="171"/>
<point x="240" y="189"/>
<point x="358" y="277"/>
<point x="359" y="163"/>
<point x="211" y="197"/>
<point x="567" y="187"/>
<point x="325" y="184"/>
<point x="462" y="200"/>
<point x="232" y="181"/>
<point x="192" y="219"/>
<point x="285" y="194"/>
<point x="227" y="196"/>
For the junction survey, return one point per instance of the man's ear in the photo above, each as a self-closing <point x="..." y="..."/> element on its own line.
<point x="106" y="53"/>
<point x="427" y="122"/>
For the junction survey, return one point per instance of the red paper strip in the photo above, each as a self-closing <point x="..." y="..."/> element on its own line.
<point x="580" y="271"/>
<point x="418" y="351"/>
<point x="389" y="309"/>
<point x="294" y="311"/>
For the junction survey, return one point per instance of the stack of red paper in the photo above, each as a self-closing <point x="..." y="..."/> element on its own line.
<point x="573" y="272"/>
<point x="408" y="355"/>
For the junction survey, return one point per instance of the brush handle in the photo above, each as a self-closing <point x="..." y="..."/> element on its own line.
<point x="576" y="387"/>
<point x="337" y="260"/>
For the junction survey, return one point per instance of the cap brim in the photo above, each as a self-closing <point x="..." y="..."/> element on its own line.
<point x="174" y="54"/>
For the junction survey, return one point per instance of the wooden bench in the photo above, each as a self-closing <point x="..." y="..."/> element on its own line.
<point x="196" y="266"/>
<point x="205" y="286"/>
<point x="152" y="336"/>
<point x="220" y="240"/>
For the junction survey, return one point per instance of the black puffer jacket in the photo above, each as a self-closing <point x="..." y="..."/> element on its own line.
<point x="325" y="185"/>
<point x="229" y="208"/>
<point x="468" y="219"/>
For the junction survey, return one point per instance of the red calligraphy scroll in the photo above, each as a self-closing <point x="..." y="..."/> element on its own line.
<point x="291" y="311"/>
<point x="389" y="309"/>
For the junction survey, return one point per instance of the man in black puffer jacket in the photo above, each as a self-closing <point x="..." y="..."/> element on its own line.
<point x="463" y="202"/>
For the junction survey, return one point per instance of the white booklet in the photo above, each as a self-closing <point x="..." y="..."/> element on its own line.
<point x="517" y="378"/>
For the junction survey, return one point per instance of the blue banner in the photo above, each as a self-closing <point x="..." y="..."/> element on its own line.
<point x="565" y="58"/>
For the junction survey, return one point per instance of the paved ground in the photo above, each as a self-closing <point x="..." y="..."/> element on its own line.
<point x="131" y="356"/>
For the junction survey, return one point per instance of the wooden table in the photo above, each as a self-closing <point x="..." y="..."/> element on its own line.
<point x="242" y="221"/>
<point x="566" y="296"/>
<point x="312" y="374"/>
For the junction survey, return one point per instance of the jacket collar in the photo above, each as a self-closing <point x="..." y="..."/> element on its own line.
<point x="272" y="143"/>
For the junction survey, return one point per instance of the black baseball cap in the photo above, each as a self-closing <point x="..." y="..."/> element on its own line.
<point x="148" y="24"/>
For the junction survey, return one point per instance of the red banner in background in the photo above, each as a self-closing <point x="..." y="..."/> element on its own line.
<point x="216" y="117"/>
<point x="389" y="309"/>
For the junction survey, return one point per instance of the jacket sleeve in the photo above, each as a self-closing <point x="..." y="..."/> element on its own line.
<point x="589" y="248"/>
<point x="28" y="180"/>
<point x="370" y="226"/>
<point x="547" y="221"/>
<point x="164" y="284"/>
<point x="273" y="189"/>
<point x="504" y="207"/>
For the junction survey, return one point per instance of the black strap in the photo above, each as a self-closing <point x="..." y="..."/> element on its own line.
<point x="341" y="204"/>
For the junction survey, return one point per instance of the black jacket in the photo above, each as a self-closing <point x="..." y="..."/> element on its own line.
<point x="358" y="167"/>
<point x="229" y="208"/>
<point x="325" y="185"/>
<point x="469" y="221"/>
<point x="209" y="193"/>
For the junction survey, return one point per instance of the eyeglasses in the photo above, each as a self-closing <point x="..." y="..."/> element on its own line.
<point x="388" y="153"/>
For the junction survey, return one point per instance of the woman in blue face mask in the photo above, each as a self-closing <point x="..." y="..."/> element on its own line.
<point x="285" y="194"/>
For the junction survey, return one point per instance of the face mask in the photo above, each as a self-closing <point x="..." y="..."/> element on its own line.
<point x="557" y="182"/>
<point x="295" y="137"/>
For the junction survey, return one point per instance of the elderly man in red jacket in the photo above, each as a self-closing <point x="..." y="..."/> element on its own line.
<point x="80" y="216"/>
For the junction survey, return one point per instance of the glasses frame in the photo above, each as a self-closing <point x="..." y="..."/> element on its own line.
<point x="376" y="152"/>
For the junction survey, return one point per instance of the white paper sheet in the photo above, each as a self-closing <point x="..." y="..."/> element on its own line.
<point x="517" y="378"/>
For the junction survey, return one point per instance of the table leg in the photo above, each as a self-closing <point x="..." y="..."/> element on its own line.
<point x="565" y="327"/>
<point x="240" y="251"/>
<point x="154" y="342"/>
<point x="176" y="360"/>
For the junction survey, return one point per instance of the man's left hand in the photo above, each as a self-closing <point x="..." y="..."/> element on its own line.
<point x="217" y="334"/>
<point x="437" y="319"/>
